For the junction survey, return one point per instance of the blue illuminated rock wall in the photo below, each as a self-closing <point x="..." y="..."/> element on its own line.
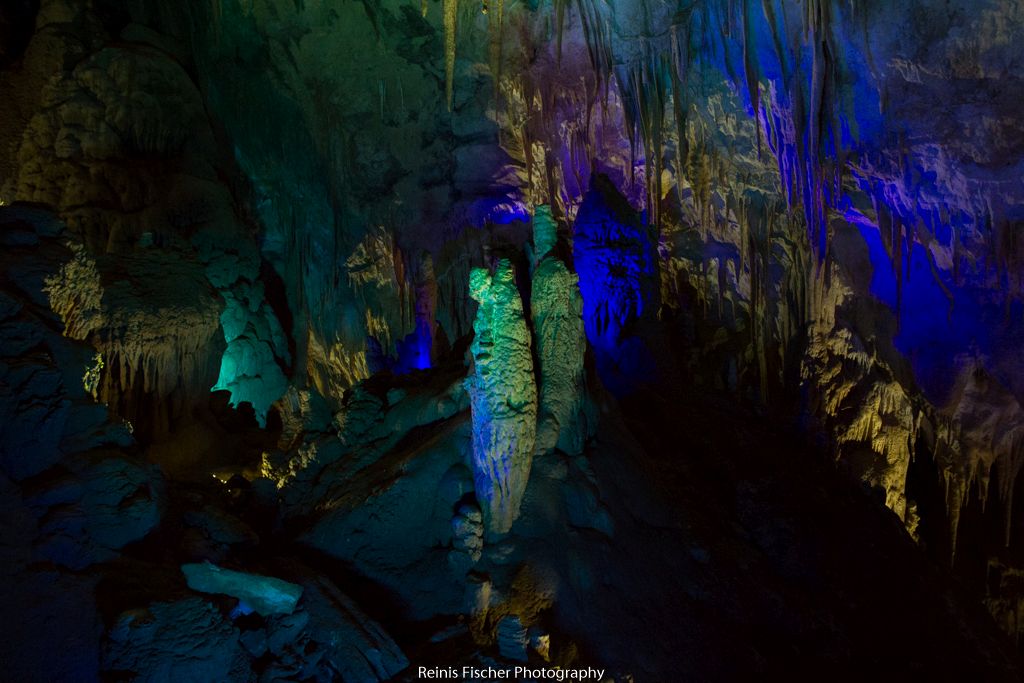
<point x="614" y="256"/>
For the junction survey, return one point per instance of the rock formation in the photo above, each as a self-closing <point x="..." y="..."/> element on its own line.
<point x="556" y="309"/>
<point x="265" y="595"/>
<point x="273" y="308"/>
<point x="503" y="396"/>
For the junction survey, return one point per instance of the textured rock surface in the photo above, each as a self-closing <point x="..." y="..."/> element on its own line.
<point x="152" y="338"/>
<point x="81" y="498"/>
<point x="614" y="255"/>
<point x="90" y="500"/>
<point x="393" y="518"/>
<point x="503" y="396"/>
<point x="311" y="469"/>
<point x="266" y="595"/>
<point x="779" y="211"/>
<point x="467" y="536"/>
<point x="48" y="410"/>
<point x="101" y="503"/>
<point x="121" y="147"/>
<point x="173" y="641"/>
<point x="556" y="309"/>
<point x="512" y="639"/>
<point x="357" y="648"/>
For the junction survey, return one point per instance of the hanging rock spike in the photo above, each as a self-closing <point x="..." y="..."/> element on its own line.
<point x="451" y="14"/>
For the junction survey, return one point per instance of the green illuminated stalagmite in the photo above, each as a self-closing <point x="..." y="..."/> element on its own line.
<point x="503" y="396"/>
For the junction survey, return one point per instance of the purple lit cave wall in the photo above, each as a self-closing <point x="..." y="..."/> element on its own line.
<point x="612" y="340"/>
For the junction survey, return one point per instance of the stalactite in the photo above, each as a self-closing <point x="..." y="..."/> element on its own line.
<point x="750" y="69"/>
<point x="451" y="14"/>
<point x="647" y="97"/>
<point x="496" y="28"/>
<point x="680" y="103"/>
<point x="1010" y="467"/>
<point x="560" y="8"/>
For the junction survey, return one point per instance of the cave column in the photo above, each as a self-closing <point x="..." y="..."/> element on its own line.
<point x="556" y="308"/>
<point x="503" y="396"/>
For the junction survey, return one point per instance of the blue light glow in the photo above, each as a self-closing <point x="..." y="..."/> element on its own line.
<point x="498" y="211"/>
<point x="614" y="257"/>
<point x="414" y="350"/>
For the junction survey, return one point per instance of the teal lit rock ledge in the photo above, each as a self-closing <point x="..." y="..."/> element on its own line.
<point x="264" y="594"/>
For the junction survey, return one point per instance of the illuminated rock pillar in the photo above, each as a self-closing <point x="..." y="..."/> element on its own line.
<point x="556" y="307"/>
<point x="503" y="396"/>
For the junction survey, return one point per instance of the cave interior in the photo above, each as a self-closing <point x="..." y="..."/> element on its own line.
<point x="639" y="341"/>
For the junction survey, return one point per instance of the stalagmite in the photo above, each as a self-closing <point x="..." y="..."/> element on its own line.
<point x="503" y="396"/>
<point x="556" y="308"/>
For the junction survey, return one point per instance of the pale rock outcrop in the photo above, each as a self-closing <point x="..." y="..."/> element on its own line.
<point x="503" y="396"/>
<point x="257" y="347"/>
<point x="266" y="595"/>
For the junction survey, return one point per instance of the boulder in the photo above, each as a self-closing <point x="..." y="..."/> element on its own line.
<point x="264" y="594"/>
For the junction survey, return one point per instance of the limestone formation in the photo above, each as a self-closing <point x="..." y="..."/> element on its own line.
<point x="556" y="309"/>
<point x="357" y="647"/>
<point x="188" y="639"/>
<point x="90" y="497"/>
<point x="103" y="502"/>
<point x="512" y="639"/>
<point x="875" y="421"/>
<point x="154" y="340"/>
<point x="787" y="243"/>
<point x="503" y="396"/>
<point x="266" y="595"/>
<point x="467" y="537"/>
